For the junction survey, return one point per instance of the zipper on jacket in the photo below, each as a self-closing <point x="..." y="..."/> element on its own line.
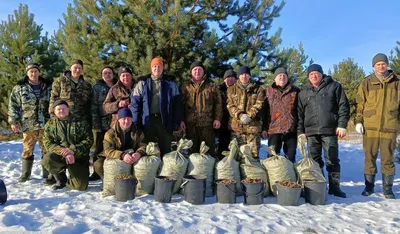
<point x="384" y="103"/>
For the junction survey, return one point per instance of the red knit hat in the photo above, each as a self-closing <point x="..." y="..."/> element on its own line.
<point x="157" y="61"/>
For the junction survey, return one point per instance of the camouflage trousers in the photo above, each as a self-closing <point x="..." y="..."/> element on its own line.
<point x="247" y="138"/>
<point x="78" y="172"/>
<point x="385" y="143"/>
<point x="29" y="141"/>
<point x="199" y="134"/>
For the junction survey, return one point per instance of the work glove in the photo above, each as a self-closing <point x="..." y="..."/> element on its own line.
<point x="360" y="128"/>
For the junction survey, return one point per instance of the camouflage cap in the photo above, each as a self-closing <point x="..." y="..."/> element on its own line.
<point x="32" y="65"/>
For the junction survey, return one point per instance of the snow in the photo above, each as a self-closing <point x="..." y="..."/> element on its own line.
<point x="33" y="207"/>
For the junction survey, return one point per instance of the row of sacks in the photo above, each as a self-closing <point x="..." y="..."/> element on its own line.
<point x="238" y="164"/>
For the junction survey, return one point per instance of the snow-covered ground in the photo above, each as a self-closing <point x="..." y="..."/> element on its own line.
<point x="33" y="207"/>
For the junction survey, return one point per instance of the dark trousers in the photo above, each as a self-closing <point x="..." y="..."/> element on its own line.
<point x="289" y="142"/>
<point x="157" y="133"/>
<point x="331" y="151"/>
<point x="99" y="166"/>
<point x="78" y="172"/>
<point x="199" y="134"/>
<point x="224" y="138"/>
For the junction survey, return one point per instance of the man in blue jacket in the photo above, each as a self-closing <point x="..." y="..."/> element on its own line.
<point x="156" y="106"/>
<point x="323" y="112"/>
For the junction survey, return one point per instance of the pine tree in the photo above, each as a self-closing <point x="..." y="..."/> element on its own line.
<point x="350" y="75"/>
<point x="294" y="60"/>
<point x="394" y="59"/>
<point x="219" y="33"/>
<point x="21" y="43"/>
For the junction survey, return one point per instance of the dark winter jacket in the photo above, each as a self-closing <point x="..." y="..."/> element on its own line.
<point x="322" y="109"/>
<point x="27" y="110"/>
<point x="281" y="116"/>
<point x="378" y="103"/>
<point x="101" y="121"/>
<point x="225" y="113"/>
<point x="170" y="103"/>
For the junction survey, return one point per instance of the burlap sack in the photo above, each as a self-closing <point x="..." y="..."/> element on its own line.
<point x="112" y="168"/>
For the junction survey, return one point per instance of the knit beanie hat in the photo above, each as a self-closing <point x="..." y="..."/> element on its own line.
<point x="280" y="70"/>
<point x="77" y="61"/>
<point x="60" y="102"/>
<point x="196" y="64"/>
<point x="314" y="67"/>
<point x="124" y="112"/>
<point x="244" y="70"/>
<point x="124" y="70"/>
<point x="380" y="58"/>
<point x="32" y="65"/>
<point x="230" y="73"/>
<point x="156" y="61"/>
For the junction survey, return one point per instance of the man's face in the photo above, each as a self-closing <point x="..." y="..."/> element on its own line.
<point x="380" y="67"/>
<point x="125" y="123"/>
<point x="76" y="70"/>
<point x="33" y="74"/>
<point x="244" y="78"/>
<point x="157" y="70"/>
<point x="107" y="75"/>
<point x="126" y="79"/>
<point x="61" y="111"/>
<point x="315" y="78"/>
<point x="281" y="79"/>
<point x="229" y="81"/>
<point x="197" y="73"/>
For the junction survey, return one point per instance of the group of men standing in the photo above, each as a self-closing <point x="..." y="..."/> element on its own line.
<point x="127" y="113"/>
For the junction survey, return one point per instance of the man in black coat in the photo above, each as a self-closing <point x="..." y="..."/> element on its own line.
<point x="323" y="111"/>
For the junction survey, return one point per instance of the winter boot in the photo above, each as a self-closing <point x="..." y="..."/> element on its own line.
<point x="61" y="180"/>
<point x="369" y="185"/>
<point x="27" y="164"/>
<point x="334" y="185"/>
<point x="94" y="177"/>
<point x="50" y="180"/>
<point x="387" y="184"/>
<point x="45" y="173"/>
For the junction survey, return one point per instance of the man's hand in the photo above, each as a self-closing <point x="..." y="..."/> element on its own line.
<point x="341" y="132"/>
<point x="123" y="103"/>
<point x="66" y="151"/>
<point x="70" y="159"/>
<point x="216" y="124"/>
<point x="360" y="128"/>
<point x="128" y="158"/>
<point x="16" y="128"/>
<point x="183" y="126"/>
<point x="136" y="156"/>
<point x="264" y="134"/>
<point x="244" y="119"/>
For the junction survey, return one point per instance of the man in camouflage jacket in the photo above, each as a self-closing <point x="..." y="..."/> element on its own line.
<point x="245" y="105"/>
<point x="101" y="121"/>
<point x="202" y="109"/>
<point x="27" y="113"/>
<point x="124" y="141"/>
<point x="378" y="102"/>
<point x="67" y="141"/>
<point x="72" y="88"/>
<point x="119" y="95"/>
<point x="280" y="123"/>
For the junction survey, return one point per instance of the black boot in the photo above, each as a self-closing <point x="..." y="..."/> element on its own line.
<point x="94" y="177"/>
<point x="334" y="185"/>
<point x="50" y="180"/>
<point x="61" y="180"/>
<point x="45" y="173"/>
<point x="387" y="183"/>
<point x="27" y="164"/>
<point x="369" y="185"/>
